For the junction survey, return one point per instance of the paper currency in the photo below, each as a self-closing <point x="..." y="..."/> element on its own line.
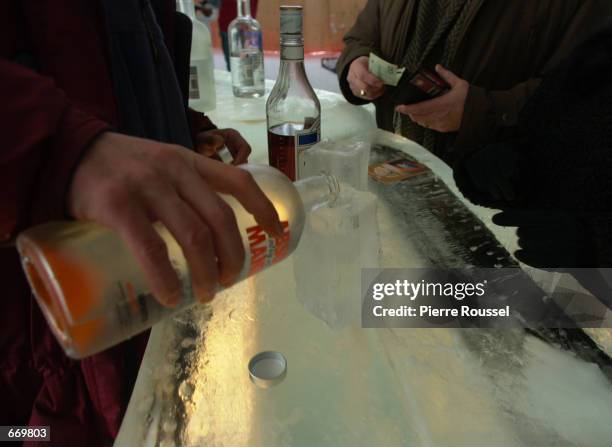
<point x="387" y="72"/>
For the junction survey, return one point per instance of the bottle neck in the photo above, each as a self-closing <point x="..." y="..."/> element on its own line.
<point x="318" y="191"/>
<point x="292" y="48"/>
<point x="244" y="8"/>
<point x="291" y="69"/>
<point x="188" y="8"/>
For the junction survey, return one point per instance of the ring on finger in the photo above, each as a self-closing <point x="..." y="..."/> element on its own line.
<point x="362" y="92"/>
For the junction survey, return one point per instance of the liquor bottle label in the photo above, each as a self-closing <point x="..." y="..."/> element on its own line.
<point x="303" y="141"/>
<point x="265" y="250"/>
<point x="194" y="85"/>
<point x="286" y="147"/>
<point x="247" y="69"/>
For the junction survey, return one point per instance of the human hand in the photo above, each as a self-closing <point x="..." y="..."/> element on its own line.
<point x="128" y="183"/>
<point x="444" y="113"/>
<point x="549" y="239"/>
<point x="363" y="83"/>
<point x="210" y="142"/>
<point x="492" y="175"/>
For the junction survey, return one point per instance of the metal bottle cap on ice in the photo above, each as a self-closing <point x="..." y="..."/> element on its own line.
<point x="291" y="19"/>
<point x="268" y="368"/>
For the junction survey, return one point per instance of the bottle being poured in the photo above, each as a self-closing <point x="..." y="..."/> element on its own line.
<point x="92" y="291"/>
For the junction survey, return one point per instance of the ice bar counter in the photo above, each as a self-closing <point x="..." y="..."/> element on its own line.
<point x="337" y="384"/>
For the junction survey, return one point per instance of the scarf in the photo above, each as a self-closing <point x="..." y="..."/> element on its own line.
<point x="146" y="88"/>
<point x="438" y="29"/>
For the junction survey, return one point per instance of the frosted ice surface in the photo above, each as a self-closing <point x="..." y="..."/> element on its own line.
<point x="347" y="160"/>
<point x="337" y="242"/>
<point x="350" y="387"/>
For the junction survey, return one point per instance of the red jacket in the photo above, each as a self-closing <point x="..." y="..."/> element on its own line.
<point x="48" y="118"/>
<point x="229" y="10"/>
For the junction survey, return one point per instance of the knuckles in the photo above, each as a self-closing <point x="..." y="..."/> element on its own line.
<point x="113" y="197"/>
<point x="224" y="215"/>
<point x="244" y="180"/>
<point x="154" y="250"/>
<point x="198" y="236"/>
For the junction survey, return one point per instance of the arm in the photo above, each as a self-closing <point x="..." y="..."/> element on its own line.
<point x="44" y="138"/>
<point x="491" y="115"/>
<point x="488" y="114"/>
<point x="359" y="41"/>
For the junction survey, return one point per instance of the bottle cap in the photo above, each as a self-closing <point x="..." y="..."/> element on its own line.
<point x="268" y="368"/>
<point x="291" y="18"/>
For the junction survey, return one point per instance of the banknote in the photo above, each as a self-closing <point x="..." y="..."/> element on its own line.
<point x="387" y="72"/>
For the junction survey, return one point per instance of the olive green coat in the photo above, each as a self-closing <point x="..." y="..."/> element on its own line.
<point x="504" y="52"/>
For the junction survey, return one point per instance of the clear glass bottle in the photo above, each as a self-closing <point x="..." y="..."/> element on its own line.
<point x="202" y="92"/>
<point x="246" y="53"/>
<point x="92" y="291"/>
<point x="293" y="110"/>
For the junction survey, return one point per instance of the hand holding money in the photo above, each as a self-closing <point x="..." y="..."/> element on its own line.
<point x="363" y="83"/>
<point x="387" y="72"/>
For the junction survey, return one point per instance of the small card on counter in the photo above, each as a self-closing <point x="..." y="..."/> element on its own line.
<point x="396" y="170"/>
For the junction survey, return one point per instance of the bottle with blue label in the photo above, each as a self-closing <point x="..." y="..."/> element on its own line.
<point x="293" y="109"/>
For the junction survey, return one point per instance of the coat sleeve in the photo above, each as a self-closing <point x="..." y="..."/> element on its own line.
<point x="487" y="113"/>
<point x="490" y="115"/>
<point x="43" y="138"/>
<point x="199" y="122"/>
<point x="363" y="37"/>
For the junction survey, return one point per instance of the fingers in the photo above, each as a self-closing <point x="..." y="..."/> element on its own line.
<point x="363" y="74"/>
<point x="362" y="82"/>
<point x="194" y="237"/>
<point x="370" y="80"/>
<point x="237" y="145"/>
<point x="221" y="221"/>
<point x="240" y="184"/>
<point x="423" y="108"/>
<point x="150" y="251"/>
<point x="451" y="78"/>
<point x="209" y="143"/>
<point x="362" y="90"/>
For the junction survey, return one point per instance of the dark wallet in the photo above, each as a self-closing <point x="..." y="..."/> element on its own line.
<point x="417" y="87"/>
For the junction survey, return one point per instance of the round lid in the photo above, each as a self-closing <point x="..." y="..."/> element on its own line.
<point x="291" y="19"/>
<point x="267" y="368"/>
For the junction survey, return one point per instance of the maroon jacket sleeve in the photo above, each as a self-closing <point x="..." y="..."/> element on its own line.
<point x="43" y="138"/>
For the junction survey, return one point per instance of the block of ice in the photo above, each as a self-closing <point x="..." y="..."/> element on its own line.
<point x="346" y="159"/>
<point x="337" y="243"/>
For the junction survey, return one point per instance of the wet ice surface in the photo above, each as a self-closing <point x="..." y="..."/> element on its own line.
<point x="346" y="386"/>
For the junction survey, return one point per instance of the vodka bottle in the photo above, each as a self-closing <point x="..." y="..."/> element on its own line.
<point x="202" y="94"/>
<point x="93" y="292"/>
<point x="246" y="53"/>
<point x="293" y="109"/>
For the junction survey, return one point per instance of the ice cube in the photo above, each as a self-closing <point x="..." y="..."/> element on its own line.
<point x="347" y="160"/>
<point x="337" y="243"/>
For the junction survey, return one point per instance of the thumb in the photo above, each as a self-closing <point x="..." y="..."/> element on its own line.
<point x="448" y="75"/>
